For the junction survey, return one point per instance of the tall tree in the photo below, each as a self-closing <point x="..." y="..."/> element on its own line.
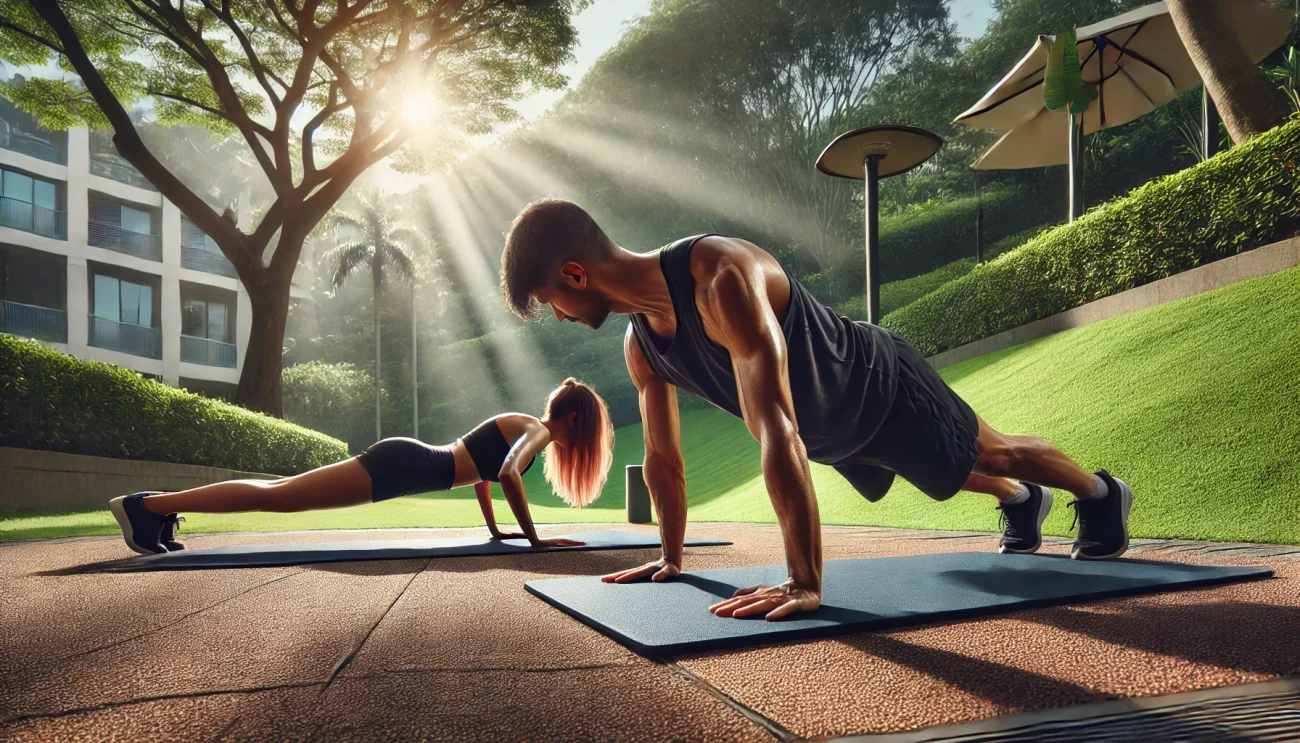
<point x="297" y="80"/>
<point x="1248" y="102"/>
<point x="381" y="246"/>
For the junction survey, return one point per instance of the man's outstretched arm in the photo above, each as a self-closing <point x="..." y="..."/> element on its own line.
<point x="664" y="468"/>
<point x="740" y="315"/>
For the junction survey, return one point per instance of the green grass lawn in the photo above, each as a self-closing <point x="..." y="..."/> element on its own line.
<point x="1196" y="404"/>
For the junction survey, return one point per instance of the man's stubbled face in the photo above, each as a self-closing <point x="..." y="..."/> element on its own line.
<point x="574" y="306"/>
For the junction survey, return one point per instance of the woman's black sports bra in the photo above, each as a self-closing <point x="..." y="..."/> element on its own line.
<point x="488" y="447"/>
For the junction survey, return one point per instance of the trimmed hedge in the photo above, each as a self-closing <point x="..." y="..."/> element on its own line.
<point x="56" y="402"/>
<point x="897" y="294"/>
<point x="1011" y="242"/>
<point x="1243" y="198"/>
<point x="931" y="235"/>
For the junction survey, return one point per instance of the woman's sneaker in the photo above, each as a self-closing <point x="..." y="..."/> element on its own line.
<point x="168" y="535"/>
<point x="1022" y="531"/>
<point x="141" y="528"/>
<point x="1103" y="522"/>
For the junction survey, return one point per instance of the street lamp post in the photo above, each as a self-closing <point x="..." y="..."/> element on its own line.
<point x="869" y="154"/>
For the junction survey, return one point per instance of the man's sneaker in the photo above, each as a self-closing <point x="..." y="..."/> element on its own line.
<point x="1022" y="531"/>
<point x="141" y="527"/>
<point x="169" y="529"/>
<point x="1103" y="522"/>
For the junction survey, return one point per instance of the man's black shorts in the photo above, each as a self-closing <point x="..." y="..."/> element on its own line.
<point x="928" y="437"/>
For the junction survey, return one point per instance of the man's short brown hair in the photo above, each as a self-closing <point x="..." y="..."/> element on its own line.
<point x="547" y="234"/>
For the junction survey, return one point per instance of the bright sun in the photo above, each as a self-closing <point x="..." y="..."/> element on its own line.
<point x="418" y="108"/>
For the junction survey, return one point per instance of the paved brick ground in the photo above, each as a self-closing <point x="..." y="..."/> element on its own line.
<point x="455" y="649"/>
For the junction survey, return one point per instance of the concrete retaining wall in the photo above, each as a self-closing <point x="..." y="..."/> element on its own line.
<point x="1252" y="264"/>
<point x="47" y="481"/>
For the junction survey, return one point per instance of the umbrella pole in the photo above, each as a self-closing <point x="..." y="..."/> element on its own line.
<point x="871" y="166"/>
<point x="979" y="220"/>
<point x="1076" y="167"/>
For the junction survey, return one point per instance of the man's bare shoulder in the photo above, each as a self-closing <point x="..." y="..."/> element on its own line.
<point x="715" y="252"/>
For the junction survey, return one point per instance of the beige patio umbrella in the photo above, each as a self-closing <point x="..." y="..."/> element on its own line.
<point x="1136" y="60"/>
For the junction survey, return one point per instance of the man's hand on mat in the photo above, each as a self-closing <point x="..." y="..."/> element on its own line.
<point x="557" y="543"/>
<point x="659" y="570"/>
<point x="775" y="601"/>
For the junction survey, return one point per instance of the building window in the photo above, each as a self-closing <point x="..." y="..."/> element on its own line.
<point x="19" y="133"/>
<point x="30" y="204"/>
<point x="202" y="319"/>
<point x="124" y="302"/>
<point x="201" y="253"/>
<point x="124" y="229"/>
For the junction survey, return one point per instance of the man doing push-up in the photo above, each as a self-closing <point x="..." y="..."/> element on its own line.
<point x="721" y="318"/>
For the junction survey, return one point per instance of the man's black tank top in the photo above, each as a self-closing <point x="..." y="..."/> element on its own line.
<point x="488" y="447"/>
<point x="842" y="372"/>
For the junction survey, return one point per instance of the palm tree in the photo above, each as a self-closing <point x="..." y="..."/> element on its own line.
<point x="1249" y="103"/>
<point x="380" y="244"/>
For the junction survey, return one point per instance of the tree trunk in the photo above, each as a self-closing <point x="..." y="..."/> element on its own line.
<point x="379" y="435"/>
<point x="1249" y="103"/>
<point x="259" y="382"/>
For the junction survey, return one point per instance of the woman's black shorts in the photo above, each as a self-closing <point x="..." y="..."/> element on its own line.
<point x="402" y="466"/>
<point x="928" y="437"/>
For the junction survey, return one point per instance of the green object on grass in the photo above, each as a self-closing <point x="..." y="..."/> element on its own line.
<point x="1195" y="403"/>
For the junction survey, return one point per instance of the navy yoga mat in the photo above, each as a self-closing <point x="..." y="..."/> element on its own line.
<point x="267" y="555"/>
<point x="670" y="618"/>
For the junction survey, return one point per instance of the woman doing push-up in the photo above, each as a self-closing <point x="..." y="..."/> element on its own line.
<point x="575" y="432"/>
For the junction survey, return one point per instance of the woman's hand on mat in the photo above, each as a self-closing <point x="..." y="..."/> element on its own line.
<point x="659" y="570"/>
<point x="509" y="535"/>
<point x="774" y="601"/>
<point x="558" y="543"/>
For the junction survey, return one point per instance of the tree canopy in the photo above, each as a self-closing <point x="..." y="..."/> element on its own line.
<point x="317" y="92"/>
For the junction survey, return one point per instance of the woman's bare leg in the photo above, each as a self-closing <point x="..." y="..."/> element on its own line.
<point x="336" y="485"/>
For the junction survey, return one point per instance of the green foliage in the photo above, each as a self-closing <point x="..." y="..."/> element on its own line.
<point x="929" y="236"/>
<point x="1011" y="242"/>
<point x="1063" y="82"/>
<point x="1238" y="200"/>
<point x="56" y="402"/>
<point x="897" y="294"/>
<point x="335" y="399"/>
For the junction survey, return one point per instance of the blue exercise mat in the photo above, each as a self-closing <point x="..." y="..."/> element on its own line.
<point x="671" y="618"/>
<point x="270" y="555"/>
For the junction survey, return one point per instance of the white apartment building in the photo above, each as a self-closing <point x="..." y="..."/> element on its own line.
<point x="96" y="263"/>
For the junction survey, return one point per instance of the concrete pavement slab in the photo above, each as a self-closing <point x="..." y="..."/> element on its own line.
<point x="457" y="650"/>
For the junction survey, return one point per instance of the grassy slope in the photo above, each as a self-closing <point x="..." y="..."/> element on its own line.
<point x="1195" y="403"/>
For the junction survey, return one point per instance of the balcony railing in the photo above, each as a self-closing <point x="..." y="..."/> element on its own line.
<point x="28" y="217"/>
<point x="200" y="259"/>
<point x="28" y="144"/>
<point x="114" y="237"/>
<point x="111" y="165"/>
<point x="208" y="352"/>
<point x="30" y="321"/>
<point x="119" y="336"/>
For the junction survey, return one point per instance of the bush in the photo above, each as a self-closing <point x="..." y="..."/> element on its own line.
<point x="1011" y="242"/>
<point x="335" y="399"/>
<point x="934" y="234"/>
<point x="56" y="402"/>
<point x="1238" y="200"/>
<point x="897" y="294"/>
